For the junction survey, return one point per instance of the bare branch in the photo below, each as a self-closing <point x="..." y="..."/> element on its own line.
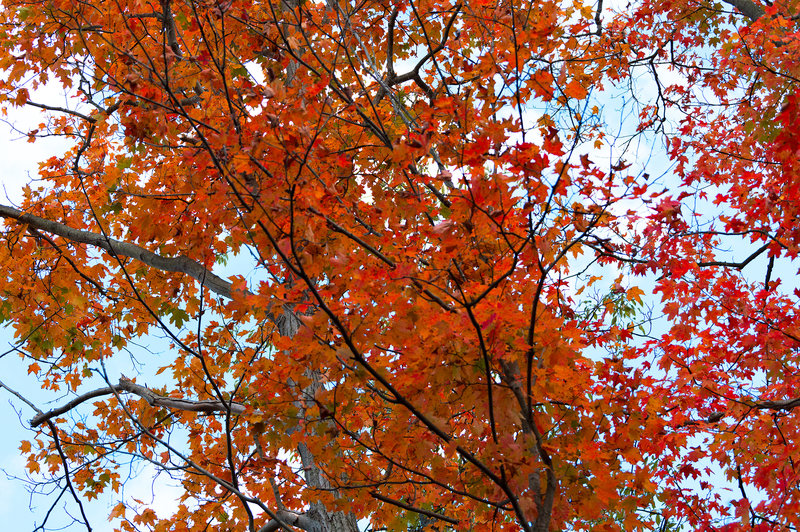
<point x="410" y="508"/>
<point x="778" y="405"/>
<point x="737" y="265"/>
<point x="67" y="473"/>
<point x="21" y="398"/>
<point x="61" y="110"/>
<point x="126" y="385"/>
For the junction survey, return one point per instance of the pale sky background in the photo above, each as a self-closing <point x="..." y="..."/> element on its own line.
<point x="18" y="510"/>
<point x="19" y="166"/>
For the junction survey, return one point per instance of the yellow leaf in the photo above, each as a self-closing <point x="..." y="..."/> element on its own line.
<point x="635" y="294"/>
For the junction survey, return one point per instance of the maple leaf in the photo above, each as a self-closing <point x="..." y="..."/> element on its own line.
<point x="387" y="263"/>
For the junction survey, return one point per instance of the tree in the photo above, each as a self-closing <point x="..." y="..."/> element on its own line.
<point x="412" y="269"/>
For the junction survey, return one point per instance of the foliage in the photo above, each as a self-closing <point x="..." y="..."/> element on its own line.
<point x="412" y="269"/>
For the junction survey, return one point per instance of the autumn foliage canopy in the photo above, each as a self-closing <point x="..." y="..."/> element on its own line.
<point x="413" y="264"/>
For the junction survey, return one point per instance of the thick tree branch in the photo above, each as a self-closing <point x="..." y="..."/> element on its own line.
<point x="289" y="518"/>
<point x="61" y="110"/>
<point x="170" y="29"/>
<point x="778" y="405"/>
<point x="747" y="8"/>
<point x="180" y="264"/>
<point x="126" y="385"/>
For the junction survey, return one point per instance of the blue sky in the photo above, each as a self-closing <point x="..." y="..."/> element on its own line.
<point x="18" y="509"/>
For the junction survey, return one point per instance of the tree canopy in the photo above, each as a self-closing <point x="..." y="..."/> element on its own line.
<point x="421" y="264"/>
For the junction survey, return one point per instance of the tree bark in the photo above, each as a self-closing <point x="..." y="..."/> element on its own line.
<point x="747" y="8"/>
